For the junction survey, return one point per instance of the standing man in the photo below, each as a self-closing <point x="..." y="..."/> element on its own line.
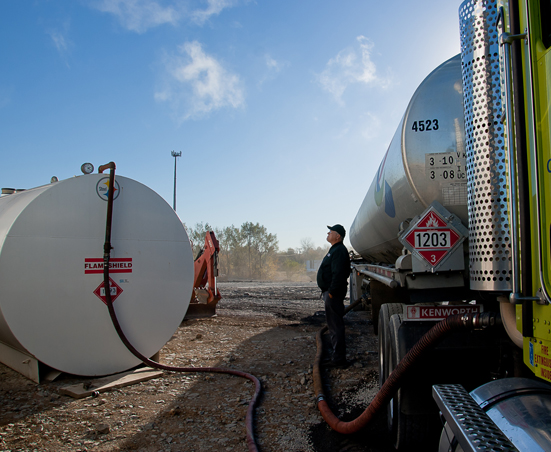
<point x="332" y="280"/>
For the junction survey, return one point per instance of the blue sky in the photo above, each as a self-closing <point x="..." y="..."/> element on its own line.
<point x="282" y="109"/>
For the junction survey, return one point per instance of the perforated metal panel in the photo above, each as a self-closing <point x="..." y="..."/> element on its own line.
<point x="489" y="239"/>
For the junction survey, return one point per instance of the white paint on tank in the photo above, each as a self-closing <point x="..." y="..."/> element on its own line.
<point x="48" y="307"/>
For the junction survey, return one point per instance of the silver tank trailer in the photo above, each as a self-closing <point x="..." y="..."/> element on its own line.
<point x="424" y="162"/>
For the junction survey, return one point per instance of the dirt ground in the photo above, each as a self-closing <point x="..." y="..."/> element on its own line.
<point x="266" y="329"/>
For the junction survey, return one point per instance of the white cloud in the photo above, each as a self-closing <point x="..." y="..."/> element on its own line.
<point x="351" y="65"/>
<point x="273" y="68"/>
<point x="214" y="7"/>
<point x="61" y="43"/>
<point x="367" y="125"/>
<point x="272" y="64"/>
<point x="140" y="15"/>
<point x="196" y="84"/>
<point x="371" y="126"/>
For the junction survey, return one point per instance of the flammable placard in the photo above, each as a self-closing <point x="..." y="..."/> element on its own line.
<point x="114" y="290"/>
<point x="431" y="238"/>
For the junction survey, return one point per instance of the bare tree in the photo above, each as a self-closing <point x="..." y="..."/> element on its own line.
<point x="197" y="236"/>
<point x="244" y="252"/>
<point x="306" y="245"/>
<point x="260" y="244"/>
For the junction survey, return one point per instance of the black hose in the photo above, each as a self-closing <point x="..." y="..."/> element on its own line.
<point x="106" y="258"/>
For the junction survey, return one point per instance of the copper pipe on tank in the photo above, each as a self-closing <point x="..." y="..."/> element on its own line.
<point x="110" y="165"/>
<point x="469" y="321"/>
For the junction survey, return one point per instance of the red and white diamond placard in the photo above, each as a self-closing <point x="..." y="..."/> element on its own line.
<point x="432" y="238"/>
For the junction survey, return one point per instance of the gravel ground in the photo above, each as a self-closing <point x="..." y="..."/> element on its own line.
<point x="264" y="328"/>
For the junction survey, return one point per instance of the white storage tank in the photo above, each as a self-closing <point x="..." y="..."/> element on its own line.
<point x="52" y="304"/>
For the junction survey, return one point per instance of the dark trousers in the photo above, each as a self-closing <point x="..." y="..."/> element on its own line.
<point x="334" y="313"/>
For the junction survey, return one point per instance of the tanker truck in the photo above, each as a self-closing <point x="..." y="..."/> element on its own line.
<point x="457" y="221"/>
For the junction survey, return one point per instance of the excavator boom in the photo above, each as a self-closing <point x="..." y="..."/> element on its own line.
<point x="205" y="293"/>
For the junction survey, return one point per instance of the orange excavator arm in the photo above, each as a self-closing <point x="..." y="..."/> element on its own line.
<point x="206" y="271"/>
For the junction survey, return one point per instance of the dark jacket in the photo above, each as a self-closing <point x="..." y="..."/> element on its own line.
<point x="335" y="270"/>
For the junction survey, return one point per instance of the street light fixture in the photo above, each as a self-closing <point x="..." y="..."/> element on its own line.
<point x="175" y="155"/>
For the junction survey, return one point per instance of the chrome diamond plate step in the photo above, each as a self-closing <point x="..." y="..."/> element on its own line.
<point x="472" y="427"/>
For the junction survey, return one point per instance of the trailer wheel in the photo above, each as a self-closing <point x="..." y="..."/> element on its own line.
<point x="386" y="312"/>
<point x="381" y="294"/>
<point x="407" y="431"/>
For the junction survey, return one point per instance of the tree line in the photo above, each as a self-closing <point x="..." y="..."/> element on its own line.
<point x="251" y="252"/>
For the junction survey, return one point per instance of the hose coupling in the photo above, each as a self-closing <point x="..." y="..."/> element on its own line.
<point x="481" y="320"/>
<point x="488" y="319"/>
<point x="320" y="398"/>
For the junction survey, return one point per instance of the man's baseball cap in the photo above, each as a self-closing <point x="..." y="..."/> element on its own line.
<point x="338" y="229"/>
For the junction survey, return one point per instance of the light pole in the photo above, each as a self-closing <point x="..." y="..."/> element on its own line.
<point x="175" y="155"/>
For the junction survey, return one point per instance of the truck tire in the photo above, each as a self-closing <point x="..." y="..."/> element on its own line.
<point x="381" y="294"/>
<point x="408" y="432"/>
<point x="386" y="312"/>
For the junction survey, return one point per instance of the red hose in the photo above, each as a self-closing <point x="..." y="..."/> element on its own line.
<point x="106" y="256"/>
<point x="392" y="384"/>
<point x="250" y="411"/>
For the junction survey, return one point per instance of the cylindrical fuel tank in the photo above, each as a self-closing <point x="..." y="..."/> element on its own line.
<point x="424" y="162"/>
<point x="52" y="299"/>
